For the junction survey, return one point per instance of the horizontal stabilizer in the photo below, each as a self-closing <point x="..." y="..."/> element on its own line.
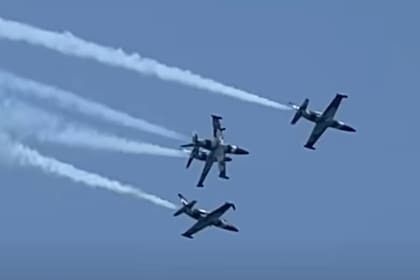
<point x="184" y="201"/>
<point x="193" y="143"/>
<point x="190" y="159"/>
<point x="187" y="145"/>
<point x="184" y="208"/>
<point x="193" y="155"/>
<point x="299" y="111"/>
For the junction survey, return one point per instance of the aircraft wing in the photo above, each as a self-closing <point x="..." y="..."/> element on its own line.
<point x="317" y="131"/>
<point x="206" y="169"/>
<point x="199" y="225"/>
<point x="217" y="213"/>
<point x="330" y="111"/>
<point x="217" y="127"/>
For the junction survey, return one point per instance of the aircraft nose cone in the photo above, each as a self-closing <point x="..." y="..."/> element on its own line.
<point x="241" y="151"/>
<point x="349" y="128"/>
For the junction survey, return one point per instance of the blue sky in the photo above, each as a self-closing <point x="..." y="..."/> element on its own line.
<point x="347" y="210"/>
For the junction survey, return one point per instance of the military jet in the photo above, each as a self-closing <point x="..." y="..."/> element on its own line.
<point x="217" y="150"/>
<point x="204" y="218"/>
<point x="322" y="120"/>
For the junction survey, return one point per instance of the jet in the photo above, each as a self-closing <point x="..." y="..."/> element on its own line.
<point x="217" y="150"/>
<point x="322" y="120"/>
<point x="204" y="218"/>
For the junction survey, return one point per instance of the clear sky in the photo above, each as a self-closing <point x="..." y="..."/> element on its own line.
<point x="348" y="210"/>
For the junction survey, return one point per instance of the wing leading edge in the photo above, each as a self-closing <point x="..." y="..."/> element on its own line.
<point x="331" y="109"/>
<point x="198" y="226"/>
<point x="218" y="212"/>
<point x="317" y="131"/>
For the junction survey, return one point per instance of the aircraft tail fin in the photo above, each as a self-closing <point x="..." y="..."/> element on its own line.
<point x="185" y="205"/>
<point x="299" y="111"/>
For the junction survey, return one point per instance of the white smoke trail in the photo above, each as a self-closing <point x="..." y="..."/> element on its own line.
<point x="72" y="101"/>
<point x="26" y="156"/>
<point x="69" y="44"/>
<point x="88" y="138"/>
<point x="25" y="120"/>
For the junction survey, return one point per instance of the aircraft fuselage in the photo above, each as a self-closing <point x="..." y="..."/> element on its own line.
<point x="194" y="213"/>
<point x="197" y="214"/>
<point x="227" y="148"/>
<point x="202" y="156"/>
<point x="312" y="116"/>
<point x="315" y="117"/>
